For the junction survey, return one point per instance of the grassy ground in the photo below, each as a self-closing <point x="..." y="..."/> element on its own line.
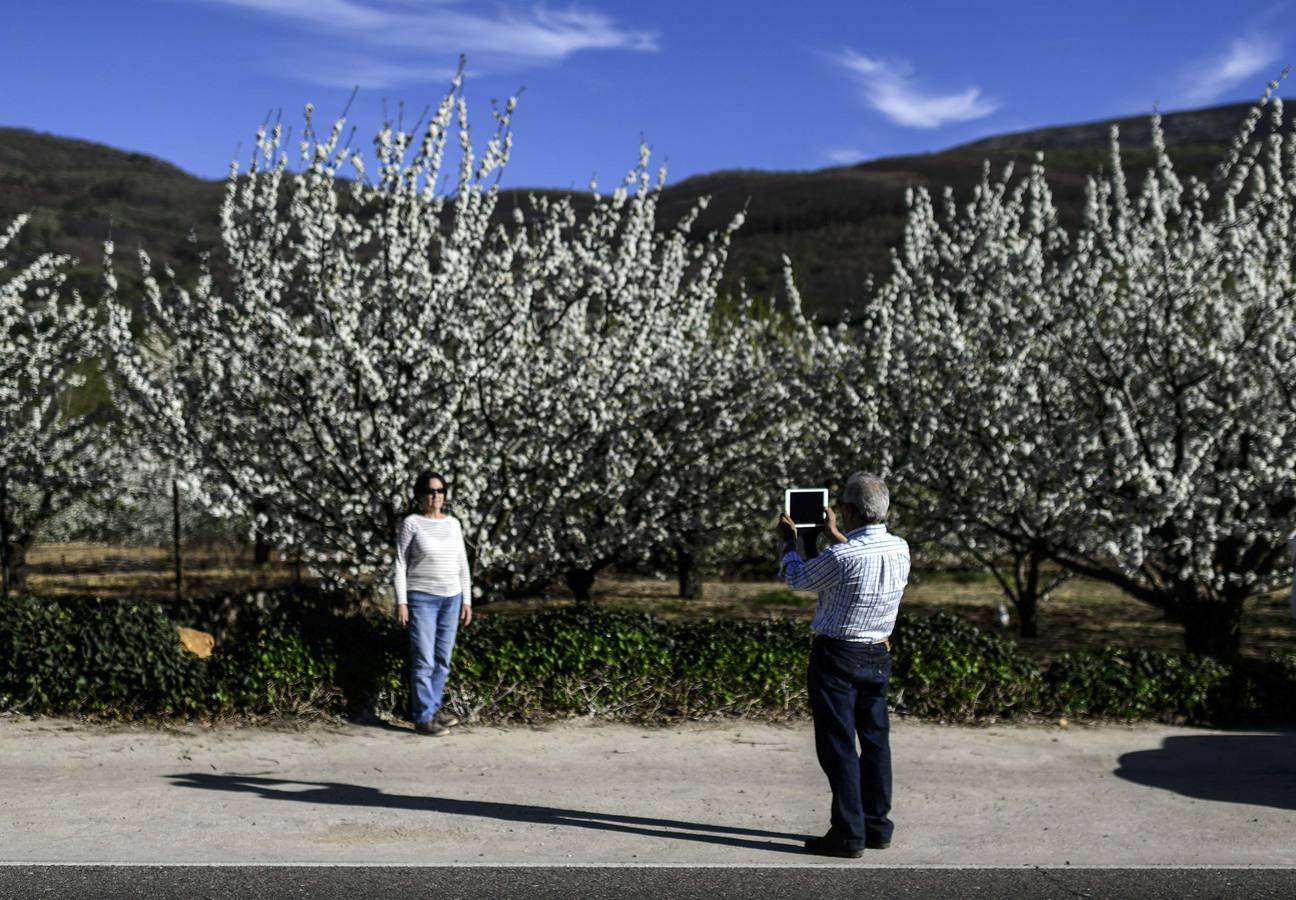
<point x="1081" y="613"/>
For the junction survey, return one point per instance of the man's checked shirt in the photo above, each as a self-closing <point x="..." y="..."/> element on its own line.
<point x="859" y="583"/>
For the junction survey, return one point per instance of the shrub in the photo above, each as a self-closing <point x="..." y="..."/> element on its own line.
<point x="1259" y="691"/>
<point x="373" y="666"/>
<point x="279" y="673"/>
<point x="114" y="658"/>
<point x="595" y="661"/>
<point x="122" y="659"/>
<point x="948" y="669"/>
<point x="1135" y="684"/>
<point x="574" y="661"/>
<point x="740" y="666"/>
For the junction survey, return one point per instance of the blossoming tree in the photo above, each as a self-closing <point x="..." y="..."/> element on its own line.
<point x="56" y="445"/>
<point x="561" y="370"/>
<point x="963" y="403"/>
<point x="1118" y="401"/>
<point x="1186" y="333"/>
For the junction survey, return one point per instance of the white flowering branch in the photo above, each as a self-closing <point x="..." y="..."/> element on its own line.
<point x="568" y="374"/>
<point x="55" y="446"/>
<point x="1118" y="402"/>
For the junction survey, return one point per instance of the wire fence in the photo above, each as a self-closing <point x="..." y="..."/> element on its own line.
<point x="152" y="572"/>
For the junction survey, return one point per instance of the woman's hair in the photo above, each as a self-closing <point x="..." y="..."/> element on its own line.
<point x="421" y="485"/>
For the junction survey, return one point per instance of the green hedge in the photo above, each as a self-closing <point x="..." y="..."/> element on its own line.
<point x="1137" y="684"/>
<point x="278" y="673"/>
<point x="122" y="659"/>
<point x="946" y="668"/>
<point x="96" y="657"/>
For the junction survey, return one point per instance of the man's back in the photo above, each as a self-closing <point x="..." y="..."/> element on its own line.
<point x="860" y="583"/>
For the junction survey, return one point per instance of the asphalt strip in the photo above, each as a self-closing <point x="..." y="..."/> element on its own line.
<point x="853" y="864"/>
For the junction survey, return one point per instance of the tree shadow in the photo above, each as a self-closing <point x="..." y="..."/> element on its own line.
<point x="333" y="793"/>
<point x="1256" y="769"/>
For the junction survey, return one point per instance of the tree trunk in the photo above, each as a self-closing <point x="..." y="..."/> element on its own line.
<point x="14" y="544"/>
<point x="1027" y="606"/>
<point x="581" y="582"/>
<point x="18" y="568"/>
<point x="1212" y="627"/>
<point x="1027" y="600"/>
<point x="18" y="547"/>
<point x="690" y="575"/>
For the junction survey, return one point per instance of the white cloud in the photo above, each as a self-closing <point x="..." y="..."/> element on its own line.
<point x="371" y="74"/>
<point x="845" y="156"/>
<point x="390" y="41"/>
<point x="890" y="88"/>
<point x="338" y="14"/>
<point x="1247" y="57"/>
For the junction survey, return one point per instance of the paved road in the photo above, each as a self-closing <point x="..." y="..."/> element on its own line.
<point x="328" y="883"/>
<point x="735" y="794"/>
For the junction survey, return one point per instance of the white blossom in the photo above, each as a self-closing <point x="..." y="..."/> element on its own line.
<point x="572" y="376"/>
<point x="57" y="446"/>
<point x="1119" y="400"/>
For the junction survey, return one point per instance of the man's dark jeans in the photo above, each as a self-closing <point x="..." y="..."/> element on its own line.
<point x="848" y="683"/>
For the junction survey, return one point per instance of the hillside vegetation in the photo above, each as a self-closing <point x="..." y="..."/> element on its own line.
<point x="836" y="224"/>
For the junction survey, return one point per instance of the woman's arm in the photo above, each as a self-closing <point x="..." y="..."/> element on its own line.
<point x="404" y="533"/>
<point x="465" y="578"/>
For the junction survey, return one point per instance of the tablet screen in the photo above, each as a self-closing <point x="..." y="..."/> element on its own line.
<point x="806" y="506"/>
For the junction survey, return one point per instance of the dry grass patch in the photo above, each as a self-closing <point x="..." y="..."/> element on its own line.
<point x="147" y="573"/>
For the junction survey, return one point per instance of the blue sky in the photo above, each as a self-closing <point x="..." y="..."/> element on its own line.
<point x="709" y="84"/>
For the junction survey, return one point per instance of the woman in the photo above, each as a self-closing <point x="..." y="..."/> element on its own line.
<point x="433" y="594"/>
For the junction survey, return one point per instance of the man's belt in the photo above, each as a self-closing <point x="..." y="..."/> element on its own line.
<point x="885" y="642"/>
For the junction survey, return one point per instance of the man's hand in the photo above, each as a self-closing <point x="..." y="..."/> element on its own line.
<point x="402" y="615"/>
<point x="787" y="528"/>
<point x="830" y="525"/>
<point x="465" y="613"/>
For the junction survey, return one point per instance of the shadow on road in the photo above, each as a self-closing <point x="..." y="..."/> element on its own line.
<point x="1257" y="769"/>
<point x="325" y="792"/>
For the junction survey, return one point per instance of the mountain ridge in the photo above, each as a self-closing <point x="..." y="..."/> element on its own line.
<point x="837" y="224"/>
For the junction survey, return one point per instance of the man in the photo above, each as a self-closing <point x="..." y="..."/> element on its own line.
<point x="859" y="579"/>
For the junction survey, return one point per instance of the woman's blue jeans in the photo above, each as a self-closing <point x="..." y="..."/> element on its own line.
<point x="433" y="624"/>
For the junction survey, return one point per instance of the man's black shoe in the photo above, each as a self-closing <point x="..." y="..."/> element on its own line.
<point x="874" y="844"/>
<point x="821" y="846"/>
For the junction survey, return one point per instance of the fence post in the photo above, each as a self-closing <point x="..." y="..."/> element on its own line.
<point x="4" y="533"/>
<point x="175" y="533"/>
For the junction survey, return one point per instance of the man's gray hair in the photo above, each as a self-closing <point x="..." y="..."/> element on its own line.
<point x="870" y="497"/>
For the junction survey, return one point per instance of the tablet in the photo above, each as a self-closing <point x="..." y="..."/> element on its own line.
<point x="806" y="506"/>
